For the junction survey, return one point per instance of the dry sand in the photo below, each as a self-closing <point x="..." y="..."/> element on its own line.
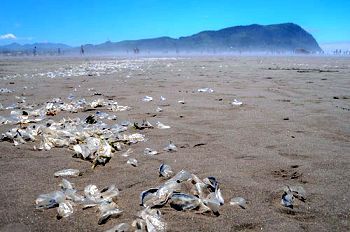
<point x="252" y="150"/>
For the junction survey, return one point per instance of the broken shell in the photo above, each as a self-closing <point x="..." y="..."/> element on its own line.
<point x="287" y="200"/>
<point x="149" y="151"/>
<point x="127" y="153"/>
<point x="132" y="162"/>
<point x="171" y="147"/>
<point x="67" y="172"/>
<point x="147" y="195"/>
<point x="49" y="200"/>
<point x="162" y="126"/>
<point x="165" y="171"/>
<point x="182" y="201"/>
<point x="65" y="209"/>
<point x="108" y="210"/>
<point x="182" y="176"/>
<point x="236" y="103"/>
<point x="147" y="98"/>
<point x="211" y="182"/>
<point x="240" y="201"/>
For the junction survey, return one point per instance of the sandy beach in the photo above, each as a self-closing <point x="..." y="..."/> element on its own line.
<point x="293" y="129"/>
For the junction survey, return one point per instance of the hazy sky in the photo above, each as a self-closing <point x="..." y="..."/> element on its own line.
<point x="95" y="21"/>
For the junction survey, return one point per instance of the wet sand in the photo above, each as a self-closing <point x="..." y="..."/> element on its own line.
<point x="292" y="129"/>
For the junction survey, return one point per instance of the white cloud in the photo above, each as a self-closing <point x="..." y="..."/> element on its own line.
<point x="8" y="36"/>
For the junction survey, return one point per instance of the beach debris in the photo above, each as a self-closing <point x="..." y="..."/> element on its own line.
<point x="108" y="210"/>
<point x="119" y="108"/>
<point x="240" y="201"/>
<point x="90" y="119"/>
<point x="125" y="123"/>
<point x="143" y="125"/>
<point x="181" y="101"/>
<point x="292" y="193"/>
<point x="149" y="151"/>
<point x="49" y="200"/>
<point x="171" y="147"/>
<point x="67" y="172"/>
<point x="97" y="103"/>
<point x="147" y="99"/>
<point x="64" y="199"/>
<point x="56" y="105"/>
<point x="185" y="191"/>
<point x="104" y="200"/>
<point x="122" y="227"/>
<point x="162" y="126"/>
<point x="287" y="200"/>
<point x="159" y="109"/>
<point x="162" y="98"/>
<point x="132" y="138"/>
<point x="116" y="128"/>
<point x="6" y="90"/>
<point x="127" y="152"/>
<point x="101" y="115"/>
<point x="65" y="209"/>
<point x="236" y="103"/>
<point x="20" y="136"/>
<point x="150" y="220"/>
<point x="132" y="162"/>
<point x="93" y="142"/>
<point x="165" y="171"/>
<point x="183" y="202"/>
<point x="96" y="150"/>
<point x="205" y="90"/>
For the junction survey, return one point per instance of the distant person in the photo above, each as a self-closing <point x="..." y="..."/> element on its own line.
<point x="59" y="51"/>
<point x="82" y="50"/>
<point x="34" y="51"/>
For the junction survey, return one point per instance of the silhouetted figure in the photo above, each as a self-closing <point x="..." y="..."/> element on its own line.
<point x="82" y="50"/>
<point x="59" y="51"/>
<point x="34" y="51"/>
<point x="136" y="51"/>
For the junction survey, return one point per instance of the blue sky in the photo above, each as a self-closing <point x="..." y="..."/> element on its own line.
<point x="95" y="21"/>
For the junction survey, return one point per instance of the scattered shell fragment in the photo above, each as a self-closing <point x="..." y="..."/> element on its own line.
<point x="149" y="151"/>
<point x="147" y="98"/>
<point x="236" y="103"/>
<point x="287" y="200"/>
<point x="182" y="201"/>
<point x="240" y="201"/>
<point x="147" y="196"/>
<point x="159" y="109"/>
<point x="206" y="90"/>
<point x="165" y="171"/>
<point x="122" y="227"/>
<point x="143" y="125"/>
<point x="49" y="200"/>
<point x="153" y="219"/>
<point x="162" y="126"/>
<point x="67" y="172"/>
<point x="292" y="193"/>
<point x="127" y="152"/>
<point x="65" y="209"/>
<point x="132" y="162"/>
<point x="171" y="147"/>
<point x="108" y="210"/>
